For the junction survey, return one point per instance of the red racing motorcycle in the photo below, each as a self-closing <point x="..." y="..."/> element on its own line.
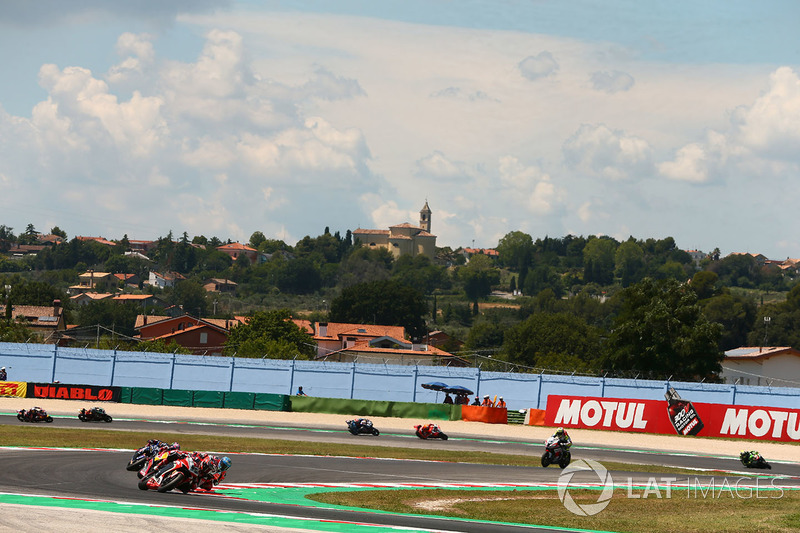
<point x="182" y="474"/>
<point x="430" y="431"/>
<point x="37" y="414"/>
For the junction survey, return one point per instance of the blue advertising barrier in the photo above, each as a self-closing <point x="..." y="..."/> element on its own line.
<point x="44" y="363"/>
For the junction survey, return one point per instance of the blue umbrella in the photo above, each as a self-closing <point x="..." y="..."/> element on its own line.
<point x="435" y="385"/>
<point x="458" y="389"/>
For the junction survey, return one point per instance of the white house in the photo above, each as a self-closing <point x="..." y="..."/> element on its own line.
<point x="776" y="366"/>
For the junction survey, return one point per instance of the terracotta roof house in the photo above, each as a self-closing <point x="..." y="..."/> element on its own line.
<point x="236" y="249"/>
<point x="402" y="238"/>
<point x="128" y="279"/>
<point x="100" y="240"/>
<point x="201" y="336"/>
<point x="91" y="280"/>
<point x="85" y="298"/>
<point x="220" y="285"/>
<point x="46" y="322"/>
<point x="374" y="343"/>
<point x="775" y="366"/>
<point x="22" y="250"/>
<point x="50" y="239"/>
<point x="144" y="300"/>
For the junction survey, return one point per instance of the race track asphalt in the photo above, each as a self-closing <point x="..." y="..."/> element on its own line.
<point x="102" y="474"/>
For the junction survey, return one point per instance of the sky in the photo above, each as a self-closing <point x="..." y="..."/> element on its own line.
<point x="222" y="118"/>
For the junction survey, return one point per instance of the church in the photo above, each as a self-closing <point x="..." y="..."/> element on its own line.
<point x="403" y="238"/>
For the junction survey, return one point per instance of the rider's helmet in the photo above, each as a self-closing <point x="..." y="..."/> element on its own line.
<point x="224" y="464"/>
<point x="174" y="446"/>
<point x="744" y="455"/>
<point x="560" y="432"/>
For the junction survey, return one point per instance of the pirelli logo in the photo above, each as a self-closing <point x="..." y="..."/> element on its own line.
<point x="14" y="388"/>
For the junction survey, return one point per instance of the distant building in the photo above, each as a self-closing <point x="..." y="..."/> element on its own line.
<point x="163" y="280"/>
<point x="46" y="322"/>
<point x="200" y="335"/>
<point x="235" y="250"/>
<point x="402" y="239"/>
<point x="775" y="366"/>
<point x="220" y="285"/>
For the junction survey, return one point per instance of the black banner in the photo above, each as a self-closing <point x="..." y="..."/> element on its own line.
<point x="57" y="391"/>
<point x="682" y="414"/>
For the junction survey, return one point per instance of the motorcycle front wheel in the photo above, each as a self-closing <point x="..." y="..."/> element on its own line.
<point x="546" y="459"/>
<point x="48" y="419"/>
<point x="375" y="432"/>
<point x="171" y="482"/>
<point x="443" y="436"/>
<point x="108" y="418"/>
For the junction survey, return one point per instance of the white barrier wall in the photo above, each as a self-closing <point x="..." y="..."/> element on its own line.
<point x="44" y="363"/>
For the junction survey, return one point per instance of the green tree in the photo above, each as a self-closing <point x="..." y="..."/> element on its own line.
<point x="270" y="334"/>
<point x="629" y="262"/>
<point x="735" y="313"/>
<point x="515" y="250"/>
<point x="111" y="315"/>
<point x="598" y="260"/>
<point x="662" y="331"/>
<point x="191" y="296"/>
<point x="477" y="277"/>
<point x="384" y="302"/>
<point x="257" y="239"/>
<point x="557" y="341"/>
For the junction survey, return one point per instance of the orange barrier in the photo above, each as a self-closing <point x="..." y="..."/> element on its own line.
<point x="535" y="417"/>
<point x="489" y="415"/>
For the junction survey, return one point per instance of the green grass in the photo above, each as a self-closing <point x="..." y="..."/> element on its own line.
<point x="682" y="512"/>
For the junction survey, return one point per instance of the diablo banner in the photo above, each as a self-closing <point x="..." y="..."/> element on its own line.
<point x="674" y="416"/>
<point x="73" y="392"/>
<point x="13" y="388"/>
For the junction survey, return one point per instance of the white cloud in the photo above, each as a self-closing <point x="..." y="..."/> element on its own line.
<point x="438" y="166"/>
<point x="611" y="82"/>
<point x="596" y="150"/>
<point x="539" y="66"/>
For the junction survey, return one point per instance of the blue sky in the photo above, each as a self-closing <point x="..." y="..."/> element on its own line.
<point x="223" y="118"/>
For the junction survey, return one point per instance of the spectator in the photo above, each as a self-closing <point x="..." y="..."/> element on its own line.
<point x="477" y="401"/>
<point x="3" y="375"/>
<point x="300" y="392"/>
<point x="501" y="403"/>
<point x="448" y="398"/>
<point x="487" y="402"/>
<point x="461" y="399"/>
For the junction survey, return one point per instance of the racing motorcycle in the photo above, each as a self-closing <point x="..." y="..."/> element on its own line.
<point x="182" y="474"/>
<point x="430" y="431"/>
<point x="755" y="461"/>
<point x="160" y="459"/>
<point x="144" y="453"/>
<point x="95" y="414"/>
<point x="37" y="414"/>
<point x="362" y="426"/>
<point x="555" y="452"/>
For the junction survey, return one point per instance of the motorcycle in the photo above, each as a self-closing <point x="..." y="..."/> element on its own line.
<point x="37" y="414"/>
<point x="144" y="453"/>
<point x="95" y="414"/>
<point x="362" y="426"/>
<point x="756" y="462"/>
<point x="181" y="474"/>
<point x="430" y="431"/>
<point x="160" y="459"/>
<point x="555" y="453"/>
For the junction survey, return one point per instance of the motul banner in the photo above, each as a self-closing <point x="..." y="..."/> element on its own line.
<point x="73" y="392"/>
<point x="13" y="388"/>
<point x="674" y="416"/>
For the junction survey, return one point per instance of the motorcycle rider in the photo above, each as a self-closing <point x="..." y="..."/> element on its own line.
<point x="212" y="470"/>
<point x="749" y="457"/>
<point x="563" y="438"/>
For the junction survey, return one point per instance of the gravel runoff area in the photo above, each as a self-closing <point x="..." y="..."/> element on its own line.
<point x="715" y="446"/>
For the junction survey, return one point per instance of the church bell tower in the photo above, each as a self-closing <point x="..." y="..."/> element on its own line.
<point x="425" y="217"/>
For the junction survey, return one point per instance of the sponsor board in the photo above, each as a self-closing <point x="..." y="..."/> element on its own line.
<point x="681" y="417"/>
<point x="73" y="392"/>
<point x="14" y="388"/>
